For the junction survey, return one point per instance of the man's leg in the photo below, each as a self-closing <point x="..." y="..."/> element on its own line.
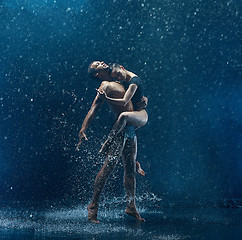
<point x="108" y="166"/>
<point x="129" y="159"/>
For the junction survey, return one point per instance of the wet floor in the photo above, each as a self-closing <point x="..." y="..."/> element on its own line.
<point x="169" y="224"/>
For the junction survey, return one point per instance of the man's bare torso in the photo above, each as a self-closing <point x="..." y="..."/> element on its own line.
<point x="116" y="90"/>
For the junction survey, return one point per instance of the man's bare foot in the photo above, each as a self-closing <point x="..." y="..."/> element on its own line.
<point x="139" y="169"/>
<point x="134" y="213"/>
<point x="92" y="213"/>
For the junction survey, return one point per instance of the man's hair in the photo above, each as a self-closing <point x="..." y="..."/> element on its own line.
<point x="91" y="71"/>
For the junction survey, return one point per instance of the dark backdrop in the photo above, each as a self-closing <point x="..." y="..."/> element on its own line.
<point x="188" y="54"/>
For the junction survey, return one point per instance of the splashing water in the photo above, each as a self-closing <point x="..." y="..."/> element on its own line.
<point x="172" y="223"/>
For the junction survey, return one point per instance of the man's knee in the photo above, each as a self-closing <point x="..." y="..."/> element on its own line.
<point x="106" y="169"/>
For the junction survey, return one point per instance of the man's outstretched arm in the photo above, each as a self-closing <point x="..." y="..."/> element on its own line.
<point x="97" y="103"/>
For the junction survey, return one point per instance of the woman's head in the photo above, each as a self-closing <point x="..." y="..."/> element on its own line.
<point x="118" y="72"/>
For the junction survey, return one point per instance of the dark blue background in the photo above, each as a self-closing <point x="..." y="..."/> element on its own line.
<point x="188" y="54"/>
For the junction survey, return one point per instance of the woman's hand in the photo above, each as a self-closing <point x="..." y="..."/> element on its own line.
<point x="81" y="136"/>
<point x="101" y="94"/>
<point x="143" y="103"/>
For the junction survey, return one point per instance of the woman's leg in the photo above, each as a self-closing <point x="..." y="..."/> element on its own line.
<point x="135" y="118"/>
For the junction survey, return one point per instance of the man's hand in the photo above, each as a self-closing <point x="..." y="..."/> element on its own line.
<point x="81" y="136"/>
<point x="143" y="103"/>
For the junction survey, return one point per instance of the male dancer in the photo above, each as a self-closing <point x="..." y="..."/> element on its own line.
<point x="125" y="144"/>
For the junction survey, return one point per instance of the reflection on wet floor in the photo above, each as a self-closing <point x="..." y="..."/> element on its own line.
<point x="168" y="224"/>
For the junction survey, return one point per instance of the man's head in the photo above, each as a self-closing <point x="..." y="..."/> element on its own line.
<point x="99" y="70"/>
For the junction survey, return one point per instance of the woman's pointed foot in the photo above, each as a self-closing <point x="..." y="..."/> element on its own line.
<point x="139" y="169"/>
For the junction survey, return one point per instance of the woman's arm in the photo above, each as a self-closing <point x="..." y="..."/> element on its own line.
<point x="121" y="101"/>
<point x="142" y="103"/>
